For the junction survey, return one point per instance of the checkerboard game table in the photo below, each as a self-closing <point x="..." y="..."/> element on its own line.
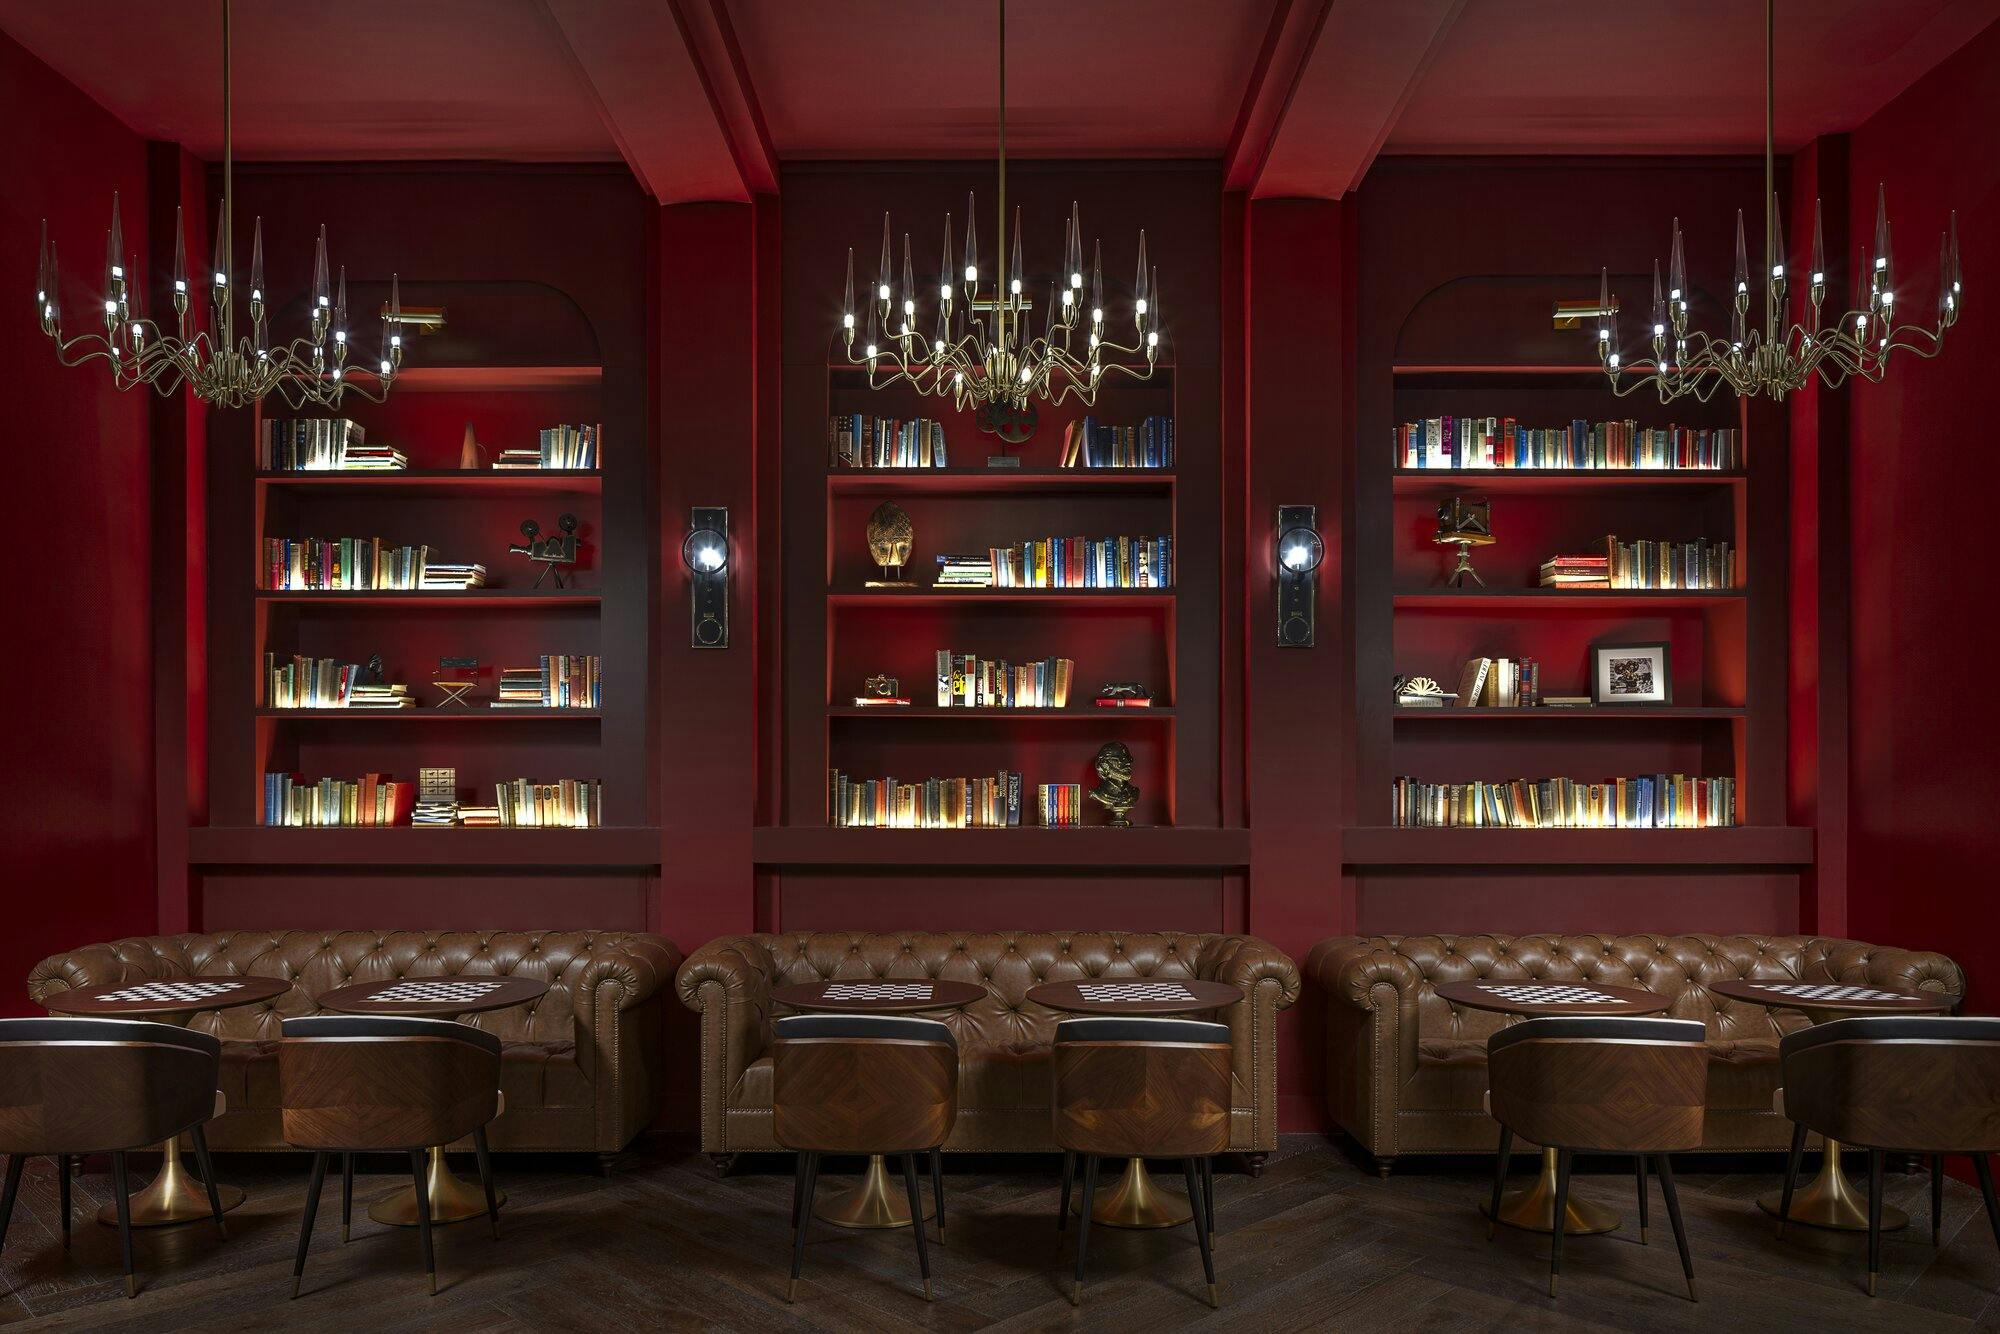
<point x="442" y="997"/>
<point x="173" y="1196"/>
<point x="1534" y="1209"/>
<point x="1137" y="1202"/>
<point x="1830" y="1201"/>
<point x="873" y="1203"/>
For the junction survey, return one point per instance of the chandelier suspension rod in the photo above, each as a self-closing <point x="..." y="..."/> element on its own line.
<point x="1000" y="293"/>
<point x="1770" y="175"/>
<point x="228" y="188"/>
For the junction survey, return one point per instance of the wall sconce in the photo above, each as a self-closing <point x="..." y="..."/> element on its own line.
<point x="706" y="554"/>
<point x="1300" y="551"/>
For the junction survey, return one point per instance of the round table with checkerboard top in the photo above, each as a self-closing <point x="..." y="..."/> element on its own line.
<point x="452" y="1200"/>
<point x="1137" y="1202"/>
<point x="1534" y="1209"/>
<point x="173" y="1196"/>
<point x="1831" y="1200"/>
<point x="873" y="1203"/>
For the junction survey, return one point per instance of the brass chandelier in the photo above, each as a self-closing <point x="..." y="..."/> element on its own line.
<point x="981" y="350"/>
<point x="1785" y="354"/>
<point x="215" y="365"/>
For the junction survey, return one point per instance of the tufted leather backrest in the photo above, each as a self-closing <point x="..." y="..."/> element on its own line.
<point x="315" y="962"/>
<point x="1007" y="964"/>
<point x="1679" y="967"/>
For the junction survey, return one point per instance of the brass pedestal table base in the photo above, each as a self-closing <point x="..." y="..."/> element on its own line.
<point x="1534" y="1209"/>
<point x="173" y="1197"/>
<point x="1831" y="1201"/>
<point x="452" y="1200"/>
<point x="876" y="1202"/>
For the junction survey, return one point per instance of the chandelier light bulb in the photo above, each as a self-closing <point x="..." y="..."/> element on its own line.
<point x="847" y="296"/>
<point x="257" y="264"/>
<point x="971" y="249"/>
<point x="180" y="254"/>
<point x="909" y="287"/>
<point x="322" y="295"/>
<point x="1020" y="268"/>
<point x="882" y="276"/>
<point x="1742" y="287"/>
<point x="944" y="265"/>
<point x="1659" y="305"/>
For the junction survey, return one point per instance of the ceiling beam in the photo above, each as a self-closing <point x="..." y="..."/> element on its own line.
<point x="1288" y="46"/>
<point x="718" y="59"/>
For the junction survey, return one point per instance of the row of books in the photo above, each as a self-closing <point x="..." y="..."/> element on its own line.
<point x="1502" y="442"/>
<point x="1649" y="801"/>
<point x="322" y="444"/>
<point x="561" y="681"/>
<point x="357" y="564"/>
<point x="968" y="681"/>
<point x="567" y="803"/>
<point x="377" y="799"/>
<point x="935" y="803"/>
<point x="569" y="447"/>
<point x="854" y="440"/>
<point x="373" y="799"/>
<point x="1060" y="805"/>
<point x="1089" y="443"/>
<point x="1064" y="562"/>
<point x="324" y="683"/>
<point x="1699" y="564"/>
<point x="1499" y="683"/>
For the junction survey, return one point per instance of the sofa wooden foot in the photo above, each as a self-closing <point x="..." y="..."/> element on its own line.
<point x="1382" y="1166"/>
<point x="724" y="1162"/>
<point x="1253" y="1163"/>
<point x="608" y="1162"/>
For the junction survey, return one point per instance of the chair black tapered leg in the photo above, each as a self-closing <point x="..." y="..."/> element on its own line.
<point x="1090" y="1161"/>
<point x="486" y="1178"/>
<point x="424" y="1217"/>
<point x="1984" y="1167"/>
<point x="306" y="1223"/>
<point x="808" y="1184"/>
<point x="1208" y="1195"/>
<point x="1640" y="1172"/>
<point x="1069" y="1178"/>
<point x="207" y="1166"/>
<point x="798" y="1186"/>
<point x="1562" y="1215"/>
<point x="62" y="1175"/>
<point x="1874" y="1218"/>
<point x="1198" y="1206"/>
<point x="121" y="1188"/>
<point x="346" y="1196"/>
<point x="1791" y="1175"/>
<point x="1937" y="1199"/>
<point x="917" y="1220"/>
<point x="937" y="1187"/>
<point x="1499" y="1179"/>
<point x="15" y="1163"/>
<point x="1665" y="1168"/>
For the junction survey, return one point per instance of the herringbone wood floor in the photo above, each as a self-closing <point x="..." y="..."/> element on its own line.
<point x="1315" y="1243"/>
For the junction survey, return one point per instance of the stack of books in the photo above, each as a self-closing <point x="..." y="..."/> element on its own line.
<point x="380" y="695"/>
<point x="1060" y="805"/>
<point x="1576" y="572"/>
<point x="437" y="799"/>
<point x="1501" y="442"/>
<point x="964" y="571"/>
<point x="573" y="448"/>
<point x="479" y="817"/>
<point x="1083" y="562"/>
<point x="1649" y="801"/>
<point x="375" y="799"/>
<point x="967" y="681"/>
<point x="567" y="803"/>
<point x="562" y="681"/>
<point x="1500" y="683"/>
<point x="857" y="441"/>
<point x="438" y="575"/>
<point x="322" y="444"/>
<point x="934" y="803"/>
<point x="308" y="683"/>
<point x="1088" y="443"/>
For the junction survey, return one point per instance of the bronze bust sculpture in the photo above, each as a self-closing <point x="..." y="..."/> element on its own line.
<point x="1115" y="791"/>
<point x="890" y="537"/>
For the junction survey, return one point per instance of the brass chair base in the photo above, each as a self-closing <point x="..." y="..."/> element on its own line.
<point x="1137" y="1202"/>
<point x="874" y="1203"/>
<point x="1534" y="1209"/>
<point x="175" y="1196"/>
<point x="1831" y="1201"/>
<point x="452" y="1200"/>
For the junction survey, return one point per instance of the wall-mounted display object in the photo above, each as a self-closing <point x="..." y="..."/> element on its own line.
<point x="1300" y="551"/>
<point x="1628" y="674"/>
<point x="705" y="552"/>
<point x="890" y="540"/>
<point x="1115" y="791"/>
<point x="1464" y="524"/>
<point x="551" y="553"/>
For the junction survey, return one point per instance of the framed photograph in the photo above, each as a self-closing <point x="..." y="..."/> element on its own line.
<point x="1627" y="674"/>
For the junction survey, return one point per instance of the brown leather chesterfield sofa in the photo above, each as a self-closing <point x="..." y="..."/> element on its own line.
<point x="1406" y="1072"/>
<point x="582" y="1068"/>
<point x="1003" y="1041"/>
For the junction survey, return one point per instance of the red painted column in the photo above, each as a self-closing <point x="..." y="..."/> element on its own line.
<point x="1298" y="399"/>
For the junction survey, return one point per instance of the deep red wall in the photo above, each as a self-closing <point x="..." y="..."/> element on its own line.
<point x="1924" y="736"/>
<point x="76" y="833"/>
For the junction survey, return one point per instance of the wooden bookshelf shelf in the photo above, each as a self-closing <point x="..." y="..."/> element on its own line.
<point x="473" y="379"/>
<point x="1596" y="598"/>
<point x="998" y="481"/>
<point x="936" y="597"/>
<point x="534" y="849"/>
<point x="1088" y="713"/>
<point x="1660" y="713"/>
<point x="1743" y="845"/>
<point x="1159" y="847"/>
<point x="428" y="715"/>
<point x="494" y="599"/>
<point x="434" y="482"/>
<point x="1419" y="481"/>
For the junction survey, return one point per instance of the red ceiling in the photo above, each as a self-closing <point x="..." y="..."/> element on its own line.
<point x="702" y="97"/>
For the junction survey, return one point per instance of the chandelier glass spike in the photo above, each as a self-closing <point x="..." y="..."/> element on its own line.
<point x="1795" y="346"/>
<point x="216" y="365"/>
<point x="982" y="351"/>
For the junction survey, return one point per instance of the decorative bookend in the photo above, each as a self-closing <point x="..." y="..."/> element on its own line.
<point x="1115" y="791"/>
<point x="1464" y="524"/>
<point x="890" y="538"/>
<point x="552" y="553"/>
